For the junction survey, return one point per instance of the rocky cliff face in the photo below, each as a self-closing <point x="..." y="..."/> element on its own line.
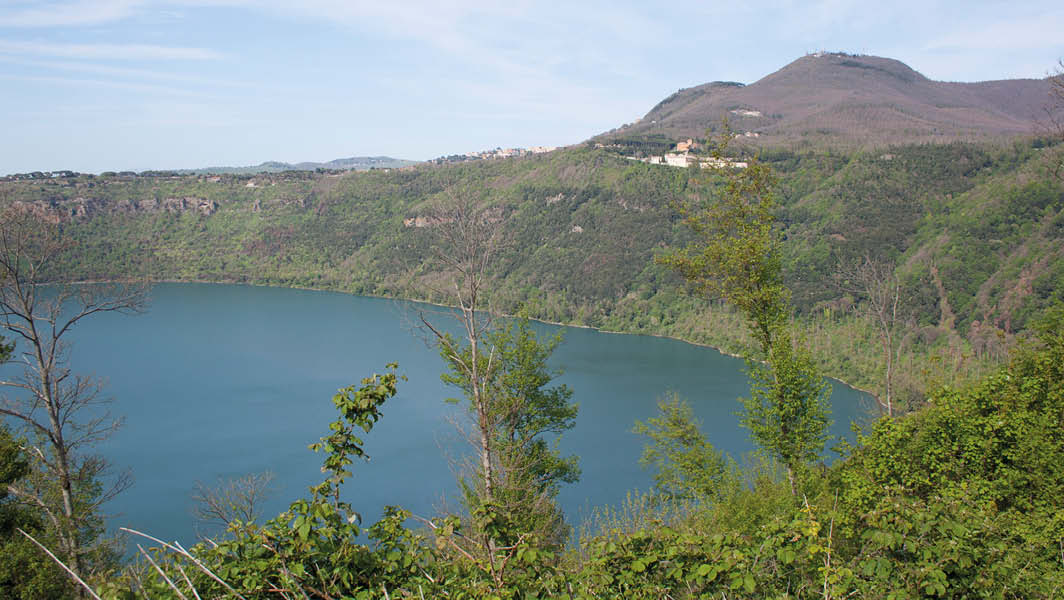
<point x="81" y="208"/>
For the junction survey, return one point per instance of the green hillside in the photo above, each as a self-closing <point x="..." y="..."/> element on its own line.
<point x="977" y="232"/>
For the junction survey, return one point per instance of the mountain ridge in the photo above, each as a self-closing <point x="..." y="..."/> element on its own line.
<point x="354" y="163"/>
<point x="839" y="99"/>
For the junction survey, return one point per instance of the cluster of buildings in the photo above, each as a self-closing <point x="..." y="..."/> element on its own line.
<point x="681" y="156"/>
<point x="493" y="154"/>
<point x="509" y="152"/>
<point x="686" y="159"/>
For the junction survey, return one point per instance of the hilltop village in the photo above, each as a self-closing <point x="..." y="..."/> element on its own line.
<point x="683" y="155"/>
<point x="496" y="153"/>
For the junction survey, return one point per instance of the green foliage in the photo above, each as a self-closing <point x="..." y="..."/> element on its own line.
<point x="782" y="559"/>
<point x="524" y="415"/>
<point x="913" y="547"/>
<point x="965" y="495"/>
<point x="359" y="408"/>
<point x="960" y="499"/>
<point x="26" y="573"/>
<point x="312" y="548"/>
<point x="735" y="253"/>
<point x="5" y="350"/>
<point x="530" y="409"/>
<point x="788" y="411"/>
<point x="686" y="466"/>
<point x="994" y="443"/>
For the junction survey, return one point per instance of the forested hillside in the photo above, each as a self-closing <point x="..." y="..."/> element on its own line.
<point x="974" y="232"/>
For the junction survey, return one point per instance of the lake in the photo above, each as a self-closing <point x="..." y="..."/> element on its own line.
<point x="217" y="381"/>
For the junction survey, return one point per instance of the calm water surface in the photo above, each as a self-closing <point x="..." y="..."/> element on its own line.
<point x="216" y="381"/>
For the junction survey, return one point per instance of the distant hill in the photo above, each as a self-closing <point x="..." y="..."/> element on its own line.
<point x="848" y="100"/>
<point x="355" y="163"/>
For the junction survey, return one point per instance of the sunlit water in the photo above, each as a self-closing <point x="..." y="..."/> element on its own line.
<point x="216" y="381"/>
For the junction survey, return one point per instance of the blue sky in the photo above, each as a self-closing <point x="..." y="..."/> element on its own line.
<point x="154" y="84"/>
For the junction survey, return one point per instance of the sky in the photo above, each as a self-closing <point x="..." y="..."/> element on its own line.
<point x="95" y="85"/>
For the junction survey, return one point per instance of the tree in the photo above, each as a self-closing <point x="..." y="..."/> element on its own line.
<point x="232" y="501"/>
<point x="467" y="241"/>
<point x="787" y="411"/>
<point x="1055" y="114"/>
<point x="522" y="411"/>
<point x="686" y="465"/>
<point x="878" y="291"/>
<point x="60" y="412"/>
<point x="25" y="573"/>
<point x="735" y="255"/>
<point x="504" y="377"/>
<point x="736" y="252"/>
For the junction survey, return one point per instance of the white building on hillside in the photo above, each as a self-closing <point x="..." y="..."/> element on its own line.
<point x="677" y="159"/>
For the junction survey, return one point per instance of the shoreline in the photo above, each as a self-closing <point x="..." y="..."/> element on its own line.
<point x="398" y="299"/>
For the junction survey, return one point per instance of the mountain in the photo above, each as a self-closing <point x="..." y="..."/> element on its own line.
<point x="848" y="100"/>
<point x="355" y="163"/>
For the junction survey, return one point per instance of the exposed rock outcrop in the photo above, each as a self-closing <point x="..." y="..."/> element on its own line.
<point x="82" y="208"/>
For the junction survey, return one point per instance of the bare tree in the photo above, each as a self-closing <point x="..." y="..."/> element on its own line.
<point x="511" y="488"/>
<point x="59" y="411"/>
<point x="232" y="500"/>
<point x="1057" y="91"/>
<point x="1053" y="123"/>
<point x="468" y="239"/>
<point x="879" y="296"/>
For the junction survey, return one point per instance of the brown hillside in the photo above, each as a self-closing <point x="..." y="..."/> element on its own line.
<point x="839" y="99"/>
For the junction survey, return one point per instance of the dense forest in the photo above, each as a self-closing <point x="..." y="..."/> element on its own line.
<point x="929" y="274"/>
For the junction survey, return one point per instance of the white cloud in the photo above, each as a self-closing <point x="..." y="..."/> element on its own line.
<point x="146" y="88"/>
<point x="131" y="52"/>
<point x="515" y="53"/>
<point x="126" y="72"/>
<point x="67" y="14"/>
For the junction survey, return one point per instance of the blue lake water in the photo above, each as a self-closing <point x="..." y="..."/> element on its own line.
<point x="216" y="381"/>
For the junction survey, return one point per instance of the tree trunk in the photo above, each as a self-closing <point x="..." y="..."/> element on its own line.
<point x="482" y="417"/>
<point x="68" y="533"/>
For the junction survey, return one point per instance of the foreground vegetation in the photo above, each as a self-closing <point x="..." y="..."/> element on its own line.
<point x="960" y="499"/>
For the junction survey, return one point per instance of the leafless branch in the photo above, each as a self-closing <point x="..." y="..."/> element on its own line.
<point x="879" y="293"/>
<point x="187" y="580"/>
<point x="1052" y="121"/>
<point x="38" y="308"/>
<point x="177" y="549"/>
<point x="232" y="500"/>
<point x="468" y="237"/>
<point x="162" y="573"/>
